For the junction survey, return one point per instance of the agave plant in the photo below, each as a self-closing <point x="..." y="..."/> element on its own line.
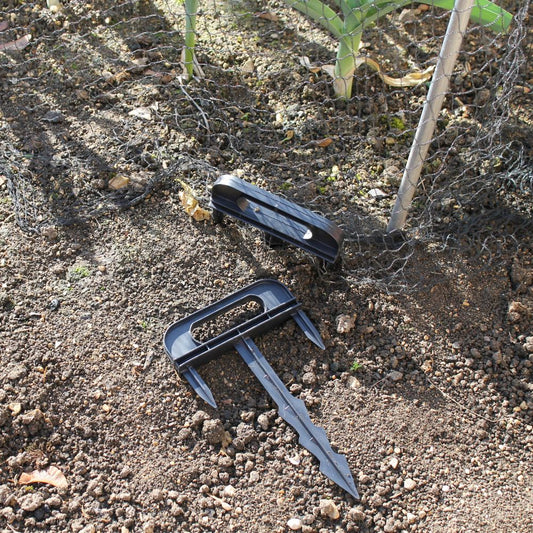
<point x="354" y="16"/>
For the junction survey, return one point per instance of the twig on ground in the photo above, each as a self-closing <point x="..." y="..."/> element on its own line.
<point x="448" y="397"/>
<point x="193" y="102"/>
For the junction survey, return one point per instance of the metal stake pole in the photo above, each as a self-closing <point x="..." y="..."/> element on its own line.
<point x="426" y="126"/>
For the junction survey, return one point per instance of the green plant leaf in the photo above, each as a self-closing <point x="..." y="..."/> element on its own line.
<point x="359" y="14"/>
<point x="356" y="366"/>
<point x="322" y="14"/>
<point x="483" y="12"/>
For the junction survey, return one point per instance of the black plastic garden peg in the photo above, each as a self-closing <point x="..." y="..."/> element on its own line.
<point x="280" y="219"/>
<point x="277" y="305"/>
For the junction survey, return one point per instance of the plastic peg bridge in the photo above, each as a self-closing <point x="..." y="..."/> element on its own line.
<point x="278" y="304"/>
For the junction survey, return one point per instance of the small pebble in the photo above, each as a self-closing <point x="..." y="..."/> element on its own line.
<point x="409" y="484"/>
<point x="16" y="372"/>
<point x="345" y="323"/>
<point x="294" y="524"/>
<point x="309" y="379"/>
<point x="199" y="418"/>
<point x="15" y="408"/>
<point x="125" y="472"/>
<point x="353" y="383"/>
<point x="394" y="375"/>
<point x="157" y="495"/>
<point x="229" y="491"/>
<point x="357" y="515"/>
<point x="263" y="421"/>
<point x="329" y="509"/>
<point x="54" y="501"/>
<point x="364" y="478"/>
<point x="54" y="117"/>
<point x="295" y="460"/>
<point x="390" y="525"/>
<point x="50" y="232"/>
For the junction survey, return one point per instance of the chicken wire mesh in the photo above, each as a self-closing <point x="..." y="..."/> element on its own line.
<point x="97" y="114"/>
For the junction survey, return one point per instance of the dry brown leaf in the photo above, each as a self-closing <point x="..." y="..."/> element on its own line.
<point x="141" y="112"/>
<point x="409" y="80"/>
<point x="188" y="201"/>
<point x="82" y="94"/>
<point x="248" y="67"/>
<point x="305" y="62"/>
<point x="408" y="15"/>
<point x="51" y="476"/>
<point x="288" y="136"/>
<point x="119" y="77"/>
<point x="167" y="78"/>
<point x="118" y="182"/>
<point x="200" y="214"/>
<point x="324" y="142"/>
<point x="268" y="15"/>
<point x="192" y="208"/>
<point x="164" y="77"/>
<point x="330" y="70"/>
<point x="19" y="44"/>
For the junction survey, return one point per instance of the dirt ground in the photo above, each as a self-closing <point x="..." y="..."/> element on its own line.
<point x="427" y="392"/>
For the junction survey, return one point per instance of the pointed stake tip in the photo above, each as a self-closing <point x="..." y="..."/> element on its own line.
<point x="207" y="398"/>
<point x="317" y="340"/>
<point x="309" y="329"/>
<point x="348" y="485"/>
<point x="199" y="386"/>
<point x="344" y="481"/>
<point x="354" y="493"/>
<point x="320" y="344"/>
